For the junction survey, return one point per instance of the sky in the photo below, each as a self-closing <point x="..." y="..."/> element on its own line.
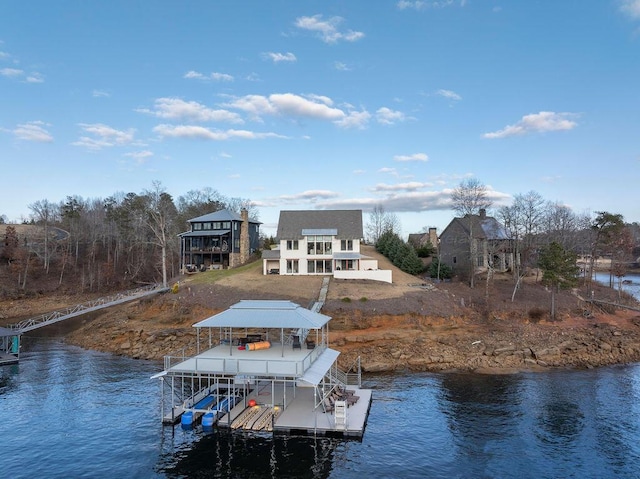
<point x="322" y="104"/>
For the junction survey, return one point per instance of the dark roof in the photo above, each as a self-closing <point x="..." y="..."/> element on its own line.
<point x="200" y="233"/>
<point x="486" y="228"/>
<point x="347" y="223"/>
<point x="221" y="215"/>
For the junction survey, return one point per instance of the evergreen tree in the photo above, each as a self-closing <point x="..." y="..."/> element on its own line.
<point x="559" y="270"/>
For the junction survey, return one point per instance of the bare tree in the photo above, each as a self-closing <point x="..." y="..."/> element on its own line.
<point x="44" y="213"/>
<point x="380" y="222"/>
<point x="161" y="211"/>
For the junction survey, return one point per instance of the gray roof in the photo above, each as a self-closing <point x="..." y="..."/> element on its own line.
<point x="200" y="233"/>
<point x="270" y="254"/>
<point x="221" y="215"/>
<point x="320" y="367"/>
<point x="347" y="255"/>
<point x="487" y="228"/>
<point x="265" y="314"/>
<point x="347" y="223"/>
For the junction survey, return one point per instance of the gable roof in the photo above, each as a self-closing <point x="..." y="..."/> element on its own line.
<point x="221" y="215"/>
<point x="347" y="224"/>
<point x="487" y="228"/>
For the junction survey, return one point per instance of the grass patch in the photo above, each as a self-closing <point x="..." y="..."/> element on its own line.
<point x="346" y="300"/>
<point x="363" y="299"/>
<point x="209" y="277"/>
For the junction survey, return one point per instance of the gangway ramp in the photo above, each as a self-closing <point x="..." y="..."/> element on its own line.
<point x="84" y="308"/>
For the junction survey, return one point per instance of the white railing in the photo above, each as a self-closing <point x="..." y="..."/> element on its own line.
<point x="77" y="310"/>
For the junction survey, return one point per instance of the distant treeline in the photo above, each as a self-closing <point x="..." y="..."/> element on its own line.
<point x="101" y="244"/>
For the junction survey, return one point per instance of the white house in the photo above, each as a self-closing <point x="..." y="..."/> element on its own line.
<point x="322" y="242"/>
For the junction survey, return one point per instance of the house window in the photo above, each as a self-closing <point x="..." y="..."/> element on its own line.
<point x="455" y="260"/>
<point x="292" y="244"/>
<point x="206" y="226"/>
<point x="292" y="266"/>
<point x="197" y="226"/>
<point x="236" y="243"/>
<point x="346" y="245"/>
<point x="319" y="245"/>
<point x="226" y="225"/>
<point x="319" y="266"/>
<point x="216" y="225"/>
<point x="235" y="226"/>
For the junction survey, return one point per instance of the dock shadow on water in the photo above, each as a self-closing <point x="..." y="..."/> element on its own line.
<point x="225" y="454"/>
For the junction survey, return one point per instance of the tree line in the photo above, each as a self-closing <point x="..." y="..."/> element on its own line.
<point x="97" y="244"/>
<point x="544" y="234"/>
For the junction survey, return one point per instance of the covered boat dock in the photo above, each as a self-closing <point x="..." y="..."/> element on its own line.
<point x="268" y="366"/>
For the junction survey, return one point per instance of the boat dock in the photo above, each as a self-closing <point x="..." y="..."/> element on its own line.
<point x="265" y="366"/>
<point x="9" y="346"/>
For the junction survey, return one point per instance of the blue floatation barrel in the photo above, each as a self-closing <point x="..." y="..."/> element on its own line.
<point x="207" y="420"/>
<point x="187" y="418"/>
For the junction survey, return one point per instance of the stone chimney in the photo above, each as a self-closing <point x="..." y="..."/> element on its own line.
<point x="483" y="214"/>
<point x="433" y="237"/>
<point x="244" y="236"/>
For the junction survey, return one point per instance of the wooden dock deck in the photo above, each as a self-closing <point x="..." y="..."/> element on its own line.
<point x="300" y="417"/>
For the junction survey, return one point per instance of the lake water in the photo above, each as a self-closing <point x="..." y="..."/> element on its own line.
<point x="70" y="413"/>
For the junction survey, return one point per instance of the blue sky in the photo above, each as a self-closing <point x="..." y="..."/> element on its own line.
<point x="322" y="104"/>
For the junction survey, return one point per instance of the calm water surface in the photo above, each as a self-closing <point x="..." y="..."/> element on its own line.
<point x="69" y="413"/>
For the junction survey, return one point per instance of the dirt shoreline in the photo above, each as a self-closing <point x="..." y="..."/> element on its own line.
<point x="410" y="325"/>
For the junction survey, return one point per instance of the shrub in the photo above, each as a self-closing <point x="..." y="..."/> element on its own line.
<point x="346" y="300"/>
<point x="363" y="299"/>
<point x="536" y="314"/>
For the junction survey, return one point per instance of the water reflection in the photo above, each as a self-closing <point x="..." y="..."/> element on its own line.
<point x="225" y="454"/>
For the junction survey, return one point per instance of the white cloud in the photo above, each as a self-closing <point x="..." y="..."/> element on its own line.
<point x="4" y="55"/>
<point x="33" y="131"/>
<point x="309" y="195"/>
<point x="387" y="116"/>
<point x="11" y="72"/>
<point x="100" y="94"/>
<point x="414" y="157"/>
<point x="448" y="94"/>
<point x="341" y="66"/>
<point x="631" y="8"/>
<point x="177" y="109"/>
<point x="140" y="156"/>
<point x="279" y="57"/>
<point x="103" y="136"/>
<point x="327" y="29"/>
<point x="355" y="119"/>
<point x="536" y="122"/>
<point x="34" y="78"/>
<point x="410" y="186"/>
<point x="283" y="104"/>
<point x="386" y="169"/>
<point x="202" y="133"/>
<point x="18" y="74"/>
<point x="215" y="76"/>
<point x="424" y="4"/>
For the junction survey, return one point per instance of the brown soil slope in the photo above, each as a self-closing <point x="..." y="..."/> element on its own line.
<point x="411" y="324"/>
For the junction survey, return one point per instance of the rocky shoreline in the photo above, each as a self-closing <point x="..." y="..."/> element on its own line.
<point x="410" y="343"/>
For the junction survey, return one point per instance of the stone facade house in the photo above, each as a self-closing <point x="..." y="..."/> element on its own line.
<point x="222" y="239"/>
<point x="492" y="245"/>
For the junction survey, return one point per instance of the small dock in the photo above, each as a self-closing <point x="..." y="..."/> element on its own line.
<point x="9" y="346"/>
